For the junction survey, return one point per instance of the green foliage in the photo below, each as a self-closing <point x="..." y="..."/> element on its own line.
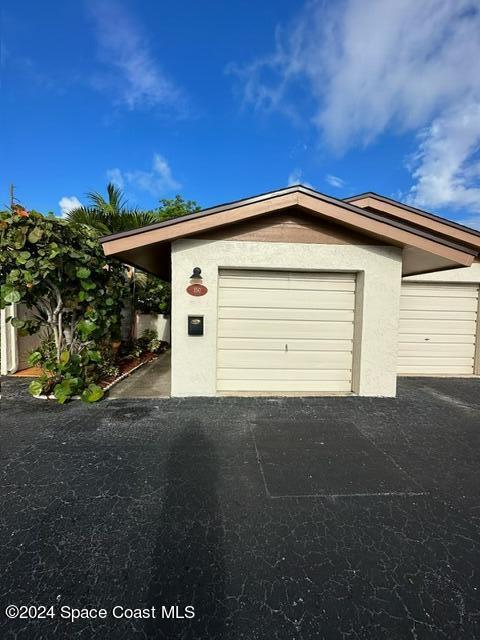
<point x="152" y="295"/>
<point x="59" y="271"/>
<point x="149" y="342"/>
<point x="92" y="393"/>
<point x="110" y="215"/>
<point x="68" y="375"/>
<point x="174" y="208"/>
<point x="134" y="349"/>
<point x="35" y="388"/>
<point x="107" y="362"/>
<point x="65" y="389"/>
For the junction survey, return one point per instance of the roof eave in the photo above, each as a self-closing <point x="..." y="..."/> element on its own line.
<point x="372" y="223"/>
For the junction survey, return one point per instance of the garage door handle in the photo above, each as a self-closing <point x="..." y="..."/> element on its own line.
<point x="286" y="347"/>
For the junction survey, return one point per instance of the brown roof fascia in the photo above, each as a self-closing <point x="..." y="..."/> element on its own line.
<point x="337" y="210"/>
<point x="399" y="209"/>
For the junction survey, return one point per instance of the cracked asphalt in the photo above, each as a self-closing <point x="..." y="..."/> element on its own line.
<point x="348" y="518"/>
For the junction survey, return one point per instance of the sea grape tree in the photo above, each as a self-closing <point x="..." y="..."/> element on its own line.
<point x="58" y="270"/>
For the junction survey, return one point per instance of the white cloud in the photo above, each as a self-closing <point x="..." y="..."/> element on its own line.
<point x="158" y="181"/>
<point x="295" y="178"/>
<point x="133" y="73"/>
<point x="67" y="203"/>
<point x="334" y="181"/>
<point x="369" y="67"/>
<point x="116" y="177"/>
<point x="446" y="167"/>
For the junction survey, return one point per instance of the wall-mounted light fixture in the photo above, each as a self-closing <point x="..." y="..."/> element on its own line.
<point x="197" y="274"/>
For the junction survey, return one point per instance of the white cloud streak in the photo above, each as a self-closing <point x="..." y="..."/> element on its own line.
<point x="372" y="66"/>
<point x="159" y="181"/>
<point x="67" y="203"/>
<point x="296" y="177"/>
<point x="133" y="75"/>
<point x="334" y="181"/>
<point x="116" y="176"/>
<point x="446" y="167"/>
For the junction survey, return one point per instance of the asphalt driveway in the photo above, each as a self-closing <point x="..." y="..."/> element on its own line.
<point x="349" y="518"/>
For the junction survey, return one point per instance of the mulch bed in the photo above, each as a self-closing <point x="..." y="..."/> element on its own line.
<point x="126" y="365"/>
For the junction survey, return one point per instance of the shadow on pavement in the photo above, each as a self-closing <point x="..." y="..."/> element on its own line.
<point x="188" y="559"/>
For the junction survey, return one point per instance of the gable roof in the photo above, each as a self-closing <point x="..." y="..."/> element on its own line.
<point x="375" y="202"/>
<point x="445" y="252"/>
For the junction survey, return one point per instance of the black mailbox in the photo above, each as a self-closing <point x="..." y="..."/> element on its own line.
<point x="195" y="325"/>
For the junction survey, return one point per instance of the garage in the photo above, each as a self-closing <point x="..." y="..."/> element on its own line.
<point x="282" y="331"/>
<point x="438" y="328"/>
<point x="293" y="292"/>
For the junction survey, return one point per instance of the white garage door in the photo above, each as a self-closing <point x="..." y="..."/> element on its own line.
<point x="285" y="332"/>
<point x="438" y="324"/>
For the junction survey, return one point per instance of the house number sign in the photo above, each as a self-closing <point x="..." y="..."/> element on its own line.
<point x="197" y="290"/>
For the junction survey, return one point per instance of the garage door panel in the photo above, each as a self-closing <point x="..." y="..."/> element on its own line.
<point x="437" y="350"/>
<point x="285" y="329"/>
<point x="266" y="275"/>
<point x="435" y="290"/>
<point x="288" y="284"/>
<point x="438" y="325"/>
<point x="284" y="386"/>
<point x="441" y="338"/>
<point x="423" y="303"/>
<point x="284" y="374"/>
<point x="440" y="314"/>
<point x="445" y="327"/>
<point x="275" y="344"/>
<point x="257" y="313"/>
<point x="261" y="312"/>
<point x="284" y="359"/>
<point x="440" y="362"/>
<point x="285" y="299"/>
<point x="435" y="370"/>
<point x="436" y="361"/>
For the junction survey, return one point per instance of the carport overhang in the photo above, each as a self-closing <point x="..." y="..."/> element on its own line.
<point x="424" y="250"/>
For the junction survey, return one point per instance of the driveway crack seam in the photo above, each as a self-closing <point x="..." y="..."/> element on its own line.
<point x="392" y="460"/>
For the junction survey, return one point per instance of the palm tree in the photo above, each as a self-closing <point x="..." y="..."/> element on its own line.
<point x="112" y="215"/>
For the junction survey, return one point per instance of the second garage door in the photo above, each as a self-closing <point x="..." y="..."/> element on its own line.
<point x="285" y="332"/>
<point x="438" y="326"/>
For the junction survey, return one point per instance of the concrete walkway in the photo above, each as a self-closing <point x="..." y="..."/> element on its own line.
<point x="150" y="381"/>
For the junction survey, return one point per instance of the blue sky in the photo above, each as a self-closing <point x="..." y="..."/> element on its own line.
<point x="224" y="100"/>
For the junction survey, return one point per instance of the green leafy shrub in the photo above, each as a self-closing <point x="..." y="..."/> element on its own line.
<point x="149" y="341"/>
<point x="152" y="295"/>
<point x="108" y="367"/>
<point x="59" y="271"/>
<point x="70" y="375"/>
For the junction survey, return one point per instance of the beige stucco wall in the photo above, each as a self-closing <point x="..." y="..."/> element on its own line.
<point x="464" y="274"/>
<point x="378" y="295"/>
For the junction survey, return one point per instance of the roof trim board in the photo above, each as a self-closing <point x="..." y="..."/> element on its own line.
<point x="373" y="223"/>
<point x="264" y="198"/>
<point x="398" y="210"/>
